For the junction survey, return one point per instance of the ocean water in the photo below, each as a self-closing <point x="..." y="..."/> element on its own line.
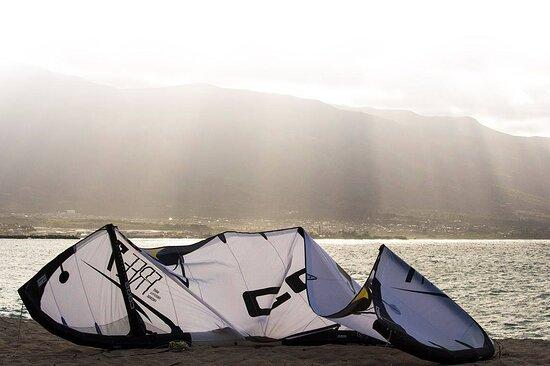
<point x="503" y="284"/>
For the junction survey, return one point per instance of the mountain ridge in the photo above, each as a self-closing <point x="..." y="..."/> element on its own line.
<point x="201" y="149"/>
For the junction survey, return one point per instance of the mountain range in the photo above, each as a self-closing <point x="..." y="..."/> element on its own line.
<point x="67" y="143"/>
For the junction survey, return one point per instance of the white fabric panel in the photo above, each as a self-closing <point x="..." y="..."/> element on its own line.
<point x="69" y="297"/>
<point x="220" y="273"/>
<point x="155" y="286"/>
<point x="214" y="275"/>
<point x="103" y="294"/>
<point x="83" y="297"/>
<point x="258" y="262"/>
<point x="424" y="315"/>
<point x="287" y="244"/>
<point x="192" y="316"/>
<point x="361" y="323"/>
<point x="329" y="288"/>
<point x="48" y="305"/>
<point x="295" y="315"/>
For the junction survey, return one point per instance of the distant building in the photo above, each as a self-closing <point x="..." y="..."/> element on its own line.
<point x="70" y="212"/>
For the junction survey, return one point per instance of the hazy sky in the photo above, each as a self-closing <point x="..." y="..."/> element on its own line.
<point x="486" y="59"/>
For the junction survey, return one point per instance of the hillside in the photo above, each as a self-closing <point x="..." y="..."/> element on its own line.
<point x="66" y="143"/>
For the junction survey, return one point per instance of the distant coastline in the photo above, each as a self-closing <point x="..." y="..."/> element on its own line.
<point x="176" y="235"/>
<point x="179" y="236"/>
<point x="40" y="236"/>
<point x="374" y="227"/>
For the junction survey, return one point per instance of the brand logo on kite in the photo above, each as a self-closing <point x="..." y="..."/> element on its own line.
<point x="251" y="297"/>
<point x="141" y="275"/>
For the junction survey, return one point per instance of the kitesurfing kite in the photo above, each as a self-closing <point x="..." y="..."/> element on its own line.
<point x="239" y="288"/>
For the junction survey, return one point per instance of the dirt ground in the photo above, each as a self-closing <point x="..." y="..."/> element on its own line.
<point x="34" y="345"/>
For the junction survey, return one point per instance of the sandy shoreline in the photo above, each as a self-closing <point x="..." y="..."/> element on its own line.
<point x="37" y="346"/>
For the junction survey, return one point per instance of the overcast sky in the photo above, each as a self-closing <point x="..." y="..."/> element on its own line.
<point x="484" y="59"/>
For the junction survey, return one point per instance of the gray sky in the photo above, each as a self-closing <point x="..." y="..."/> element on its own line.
<point x="484" y="59"/>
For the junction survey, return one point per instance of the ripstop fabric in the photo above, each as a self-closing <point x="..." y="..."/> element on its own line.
<point x="240" y="288"/>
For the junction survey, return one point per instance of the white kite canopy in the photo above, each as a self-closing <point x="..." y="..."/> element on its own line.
<point x="234" y="288"/>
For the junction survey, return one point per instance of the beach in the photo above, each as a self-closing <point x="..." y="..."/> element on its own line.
<point x="26" y="342"/>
